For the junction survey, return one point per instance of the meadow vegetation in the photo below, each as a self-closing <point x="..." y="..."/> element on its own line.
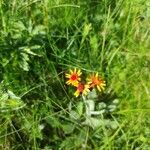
<point x="41" y="40"/>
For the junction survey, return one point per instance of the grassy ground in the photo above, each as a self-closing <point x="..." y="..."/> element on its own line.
<point x="41" y="40"/>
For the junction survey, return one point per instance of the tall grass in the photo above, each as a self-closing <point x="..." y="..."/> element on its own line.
<point x="41" y="40"/>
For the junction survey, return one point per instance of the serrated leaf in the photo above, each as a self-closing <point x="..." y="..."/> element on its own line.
<point x="92" y="94"/>
<point x="24" y="65"/>
<point x="19" y="26"/>
<point x="111" y="124"/>
<point x="28" y="51"/>
<point x="93" y="122"/>
<point x="116" y="101"/>
<point x="97" y="112"/>
<point x="24" y="62"/>
<point x="111" y="106"/>
<point x="39" y="29"/>
<point x="74" y="115"/>
<point x="16" y="36"/>
<point x="90" y="106"/>
<point x="102" y="105"/>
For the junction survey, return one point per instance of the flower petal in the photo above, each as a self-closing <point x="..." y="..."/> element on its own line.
<point x="67" y="75"/>
<point x="76" y="94"/>
<point x="70" y="71"/>
<point x="79" y="72"/>
<point x="96" y="75"/>
<point x="98" y="87"/>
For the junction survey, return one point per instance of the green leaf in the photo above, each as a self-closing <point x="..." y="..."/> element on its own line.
<point x="11" y="104"/>
<point x="24" y="62"/>
<point x="115" y="101"/>
<point x="93" y="122"/>
<point x="92" y="94"/>
<point x="28" y="51"/>
<point x="80" y="108"/>
<point x="4" y="97"/>
<point x="86" y="29"/>
<point x="74" y="115"/>
<point x="12" y="95"/>
<point x="102" y="105"/>
<point x="68" y="128"/>
<point x="39" y="29"/>
<point x="19" y="26"/>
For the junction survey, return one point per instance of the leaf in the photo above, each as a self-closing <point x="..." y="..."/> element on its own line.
<point x="112" y="107"/>
<point x="115" y="101"/>
<point x="93" y="122"/>
<point x="39" y="29"/>
<point x="34" y="47"/>
<point x="68" y="128"/>
<point x="101" y="105"/>
<point x="11" y="104"/>
<point x="28" y="51"/>
<point x="19" y="26"/>
<point x="111" y="124"/>
<point x="98" y="112"/>
<point x="92" y="94"/>
<point x="74" y="115"/>
<point x="90" y="106"/>
<point x="86" y="29"/>
<point x="53" y="121"/>
<point x="4" y="97"/>
<point x="80" y="108"/>
<point x="94" y="43"/>
<point x="24" y="62"/>
<point x="12" y="95"/>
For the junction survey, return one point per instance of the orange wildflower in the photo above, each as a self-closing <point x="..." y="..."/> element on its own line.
<point x="96" y="81"/>
<point x="74" y="77"/>
<point x="82" y="88"/>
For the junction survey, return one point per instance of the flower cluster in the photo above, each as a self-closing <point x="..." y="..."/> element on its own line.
<point x="93" y="81"/>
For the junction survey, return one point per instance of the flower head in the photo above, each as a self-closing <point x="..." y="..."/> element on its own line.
<point x="74" y="77"/>
<point x="96" y="81"/>
<point x="82" y="88"/>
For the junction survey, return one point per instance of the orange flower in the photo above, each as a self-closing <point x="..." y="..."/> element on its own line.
<point x="74" y="77"/>
<point x="96" y="81"/>
<point x="82" y="88"/>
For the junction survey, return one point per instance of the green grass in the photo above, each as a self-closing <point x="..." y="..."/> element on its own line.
<point x="41" y="40"/>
